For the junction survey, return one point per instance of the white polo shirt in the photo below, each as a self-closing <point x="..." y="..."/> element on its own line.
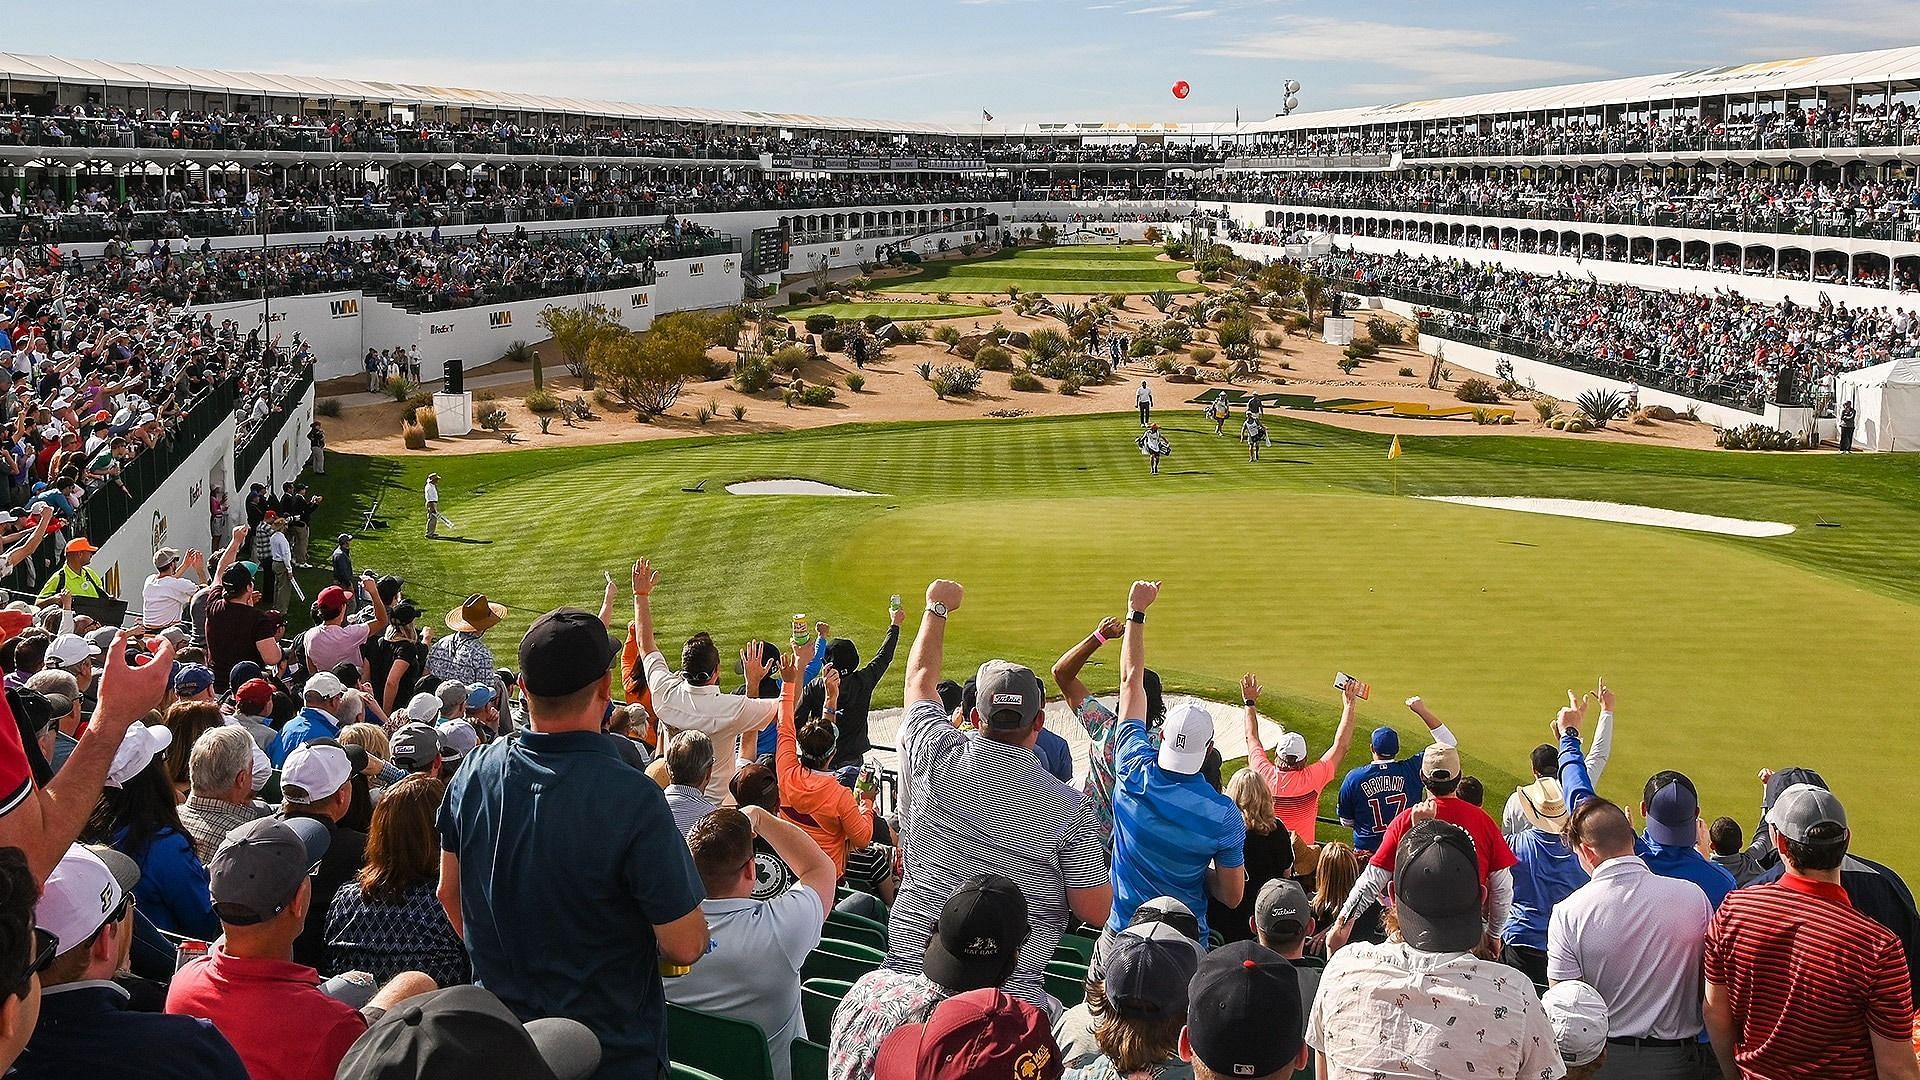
<point x="723" y="717"/>
<point x="1637" y="938"/>
<point x="752" y="969"/>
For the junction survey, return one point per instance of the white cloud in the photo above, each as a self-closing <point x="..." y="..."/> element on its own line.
<point x="1201" y="13"/>
<point x="1158" y="9"/>
<point x="1839" y="24"/>
<point x="1443" y="57"/>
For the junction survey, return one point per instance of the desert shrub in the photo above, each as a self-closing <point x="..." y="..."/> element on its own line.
<point x="943" y="298"/>
<point x="1070" y="385"/>
<point x="874" y="322"/>
<point x="1142" y="345"/>
<point x="1273" y="340"/>
<point x="1406" y="372"/>
<point x="1298" y="321"/>
<point x="1642" y="417"/>
<point x="604" y="399"/>
<point x="542" y="401"/>
<point x="993" y="358"/>
<point x="413" y="437"/>
<point x="400" y="388"/>
<point x="833" y="341"/>
<point x="1026" y="381"/>
<point x="1286" y="365"/>
<point x="493" y="419"/>
<point x="947" y="335"/>
<point x="859" y="283"/>
<point x="925" y="369"/>
<point x="1047" y="344"/>
<point x="1545" y="408"/>
<point x="704" y="414"/>
<point x="955" y="380"/>
<point x="817" y="394"/>
<point x="1477" y="392"/>
<point x="1570" y="421"/>
<point x="1164" y="365"/>
<point x="752" y="374"/>
<point x="518" y="352"/>
<point x="821" y="323"/>
<point x="1359" y="349"/>
<point x="326" y="407"/>
<point x="1201" y="354"/>
<point x="855" y="381"/>
<point x="912" y="333"/>
<point x="1485" y="416"/>
<point x="1347" y="363"/>
<point x="1600" y="406"/>
<point x="788" y="359"/>
<point x="739" y="411"/>
<point x="429" y="420"/>
<point x="487" y="394"/>
<point x="1756" y="437"/>
<point x="1386" y="333"/>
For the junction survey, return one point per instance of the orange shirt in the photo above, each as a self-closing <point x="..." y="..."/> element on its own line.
<point x="817" y="801"/>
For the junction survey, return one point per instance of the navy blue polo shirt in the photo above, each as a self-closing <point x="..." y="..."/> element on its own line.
<point x="86" y="1029"/>
<point x="568" y="856"/>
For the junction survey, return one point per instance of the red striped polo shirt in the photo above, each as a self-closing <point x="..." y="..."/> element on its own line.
<point x="1809" y="979"/>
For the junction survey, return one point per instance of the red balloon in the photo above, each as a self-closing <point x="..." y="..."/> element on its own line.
<point x="1181" y="89"/>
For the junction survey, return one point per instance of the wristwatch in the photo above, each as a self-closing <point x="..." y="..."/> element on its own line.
<point x="937" y="608"/>
<point x="1137" y="617"/>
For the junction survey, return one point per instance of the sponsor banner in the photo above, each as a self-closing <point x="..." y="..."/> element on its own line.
<point x="500" y="320"/>
<point x="639" y="300"/>
<point x="344" y="308"/>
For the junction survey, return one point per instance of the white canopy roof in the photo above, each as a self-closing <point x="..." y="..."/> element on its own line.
<point x="1902" y="372"/>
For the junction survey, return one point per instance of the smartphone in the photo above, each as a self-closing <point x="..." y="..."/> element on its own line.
<point x="893" y="602"/>
<point x="1344" y="680"/>
<point x="800" y="628"/>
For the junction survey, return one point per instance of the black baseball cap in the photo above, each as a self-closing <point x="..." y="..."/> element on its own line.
<point x="1436" y="888"/>
<point x="565" y="651"/>
<point x="1244" y="1014"/>
<point x="465" y="1031"/>
<point x="976" y="943"/>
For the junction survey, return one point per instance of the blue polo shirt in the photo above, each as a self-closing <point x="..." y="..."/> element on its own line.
<point x="568" y="858"/>
<point x="1167" y="828"/>
<point x="309" y="724"/>
<point x="1687" y="864"/>
<point x="86" y="1029"/>
<point x="1374" y="794"/>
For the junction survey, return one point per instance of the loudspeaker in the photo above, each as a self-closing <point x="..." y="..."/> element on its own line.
<point x="454" y="378"/>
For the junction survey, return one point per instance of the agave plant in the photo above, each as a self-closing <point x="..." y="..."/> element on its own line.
<point x="1161" y="300"/>
<point x="1600" y="406"/>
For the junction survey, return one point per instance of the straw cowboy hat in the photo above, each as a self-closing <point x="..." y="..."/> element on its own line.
<point x="475" y="616"/>
<point x="1545" y="806"/>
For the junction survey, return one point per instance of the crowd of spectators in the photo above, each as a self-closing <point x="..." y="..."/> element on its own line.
<point x="1720" y="344"/>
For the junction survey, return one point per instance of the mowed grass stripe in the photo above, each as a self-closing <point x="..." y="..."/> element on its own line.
<point x="1070" y="270"/>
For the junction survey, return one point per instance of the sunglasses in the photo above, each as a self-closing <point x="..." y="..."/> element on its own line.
<point x="45" y="947"/>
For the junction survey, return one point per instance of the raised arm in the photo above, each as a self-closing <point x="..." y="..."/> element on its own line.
<point x="929" y="645"/>
<point x="1066" y="670"/>
<point x="1600" y="751"/>
<point x="1349" y="717"/>
<point x="876" y="668"/>
<point x="379" y="625"/>
<point x="799" y="851"/>
<point x="606" y="603"/>
<point x="232" y="553"/>
<point x="1441" y="733"/>
<point x="1133" y="651"/>
<point x="1250" y="700"/>
<point x="645" y="580"/>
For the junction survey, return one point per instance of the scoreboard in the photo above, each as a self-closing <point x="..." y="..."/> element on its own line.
<point x="768" y="253"/>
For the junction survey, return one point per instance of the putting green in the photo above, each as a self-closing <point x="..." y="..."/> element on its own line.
<point x="894" y="312"/>
<point x="1729" y="654"/>
<point x="1063" y="270"/>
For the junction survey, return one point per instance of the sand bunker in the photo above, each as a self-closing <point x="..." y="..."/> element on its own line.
<point x="1625" y="513"/>
<point x="795" y="487"/>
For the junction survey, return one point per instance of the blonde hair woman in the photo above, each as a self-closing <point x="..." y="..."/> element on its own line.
<point x="1269" y="854"/>
<point x="1339" y="868"/>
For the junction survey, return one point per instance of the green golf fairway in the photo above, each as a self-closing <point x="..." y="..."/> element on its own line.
<point x="895" y="312"/>
<point x="1728" y="654"/>
<point x="1096" y="269"/>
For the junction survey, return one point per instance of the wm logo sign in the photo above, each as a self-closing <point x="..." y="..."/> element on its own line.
<point x="499" y="320"/>
<point x="345" y="309"/>
<point x="639" y="300"/>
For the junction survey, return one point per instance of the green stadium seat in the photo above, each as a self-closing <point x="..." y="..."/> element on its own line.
<point x="688" y="1072"/>
<point x="858" y="935"/>
<point x="822" y="964"/>
<point x="852" y="949"/>
<point x="721" y="1045"/>
<point x="1074" y="949"/>
<point x="816" y="1008"/>
<point x="809" y="1060"/>
<point x="1068" y="990"/>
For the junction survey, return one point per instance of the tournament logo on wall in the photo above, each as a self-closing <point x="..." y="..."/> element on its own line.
<point x="344" y="309"/>
<point x="500" y="320"/>
<point x="159" y="530"/>
<point x="193" y="493"/>
<point x="639" y="299"/>
<point x="696" y="269"/>
<point x="440" y="328"/>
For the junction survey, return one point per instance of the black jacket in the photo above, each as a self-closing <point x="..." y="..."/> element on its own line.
<point x="856" y="695"/>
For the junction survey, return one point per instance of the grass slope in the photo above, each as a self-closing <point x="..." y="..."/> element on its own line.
<point x="1064" y="270"/>
<point x="900" y="311"/>
<point x="1729" y="654"/>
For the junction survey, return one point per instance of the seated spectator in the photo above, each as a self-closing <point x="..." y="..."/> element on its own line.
<point x="981" y="1033"/>
<point x="388" y="919"/>
<point x="1797" y="982"/>
<point x="752" y="972"/>
<point x="221" y="796"/>
<point x="856" y="693"/>
<point x="1579" y="1018"/>
<point x="186" y="721"/>
<point x="976" y="945"/>
<point x="270" y="1008"/>
<point x="316" y="785"/>
<point x="690" y="765"/>
<point x="756" y="785"/>
<point x="1173" y="834"/>
<point x="137" y="815"/>
<point x="1283" y="921"/>
<point x="1269" y="854"/>
<point x="1375" y="1001"/>
<point x="1294" y="784"/>
<point x="1245" y="1016"/>
<point x="252" y="709"/>
<point x="1136" y="1008"/>
<point x="458" y="739"/>
<point x="466" y="1031"/>
<point x="959" y="786"/>
<point x="1730" y="852"/>
<point x="86" y="1026"/>
<point x="837" y="820"/>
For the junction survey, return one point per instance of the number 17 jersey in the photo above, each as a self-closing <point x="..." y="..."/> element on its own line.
<point x="1374" y="794"/>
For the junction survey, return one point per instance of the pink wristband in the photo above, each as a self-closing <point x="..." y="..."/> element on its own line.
<point x="1099" y="637"/>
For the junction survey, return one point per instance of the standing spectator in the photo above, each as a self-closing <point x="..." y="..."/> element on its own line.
<point x="75" y="577"/>
<point x="398" y="659"/>
<point x="220" y="799"/>
<point x="1580" y="1020"/>
<point x="976" y="945"/>
<point x="1269" y="854"/>
<point x="86" y="1027"/>
<point x="958" y="787"/>
<point x="342" y="562"/>
<point x="1730" y="852"/>
<point x="1671" y="842"/>
<point x="1098" y="721"/>
<point x="856" y="692"/>
<point x="1546" y="770"/>
<point x="1374" y="794"/>
<point x="1637" y="938"/>
<point x="317" y="448"/>
<point x="981" y="1033"/>
<point x="833" y="816"/>
<point x="1334" y="875"/>
<point x="1798" y="983"/>
<point x="31" y="948"/>
<point x="165" y="595"/>
<point x="316" y="784"/>
<point x="690" y="699"/>
<point x="388" y="919"/>
<point x="528" y="828"/>
<point x="252" y="709"/>
<point x="1173" y="834"/>
<point x="237" y="629"/>
<point x="1846" y="428"/>
<point x="1296" y="785"/>
<point x="416" y="749"/>
<point x="689" y="765"/>
<point x="334" y="641"/>
<point x="1245" y="1016"/>
<point x="1378" y="1002"/>
<point x="269" y="1007"/>
<point x="753" y="970"/>
<point x="463" y="656"/>
<point x="1547" y="870"/>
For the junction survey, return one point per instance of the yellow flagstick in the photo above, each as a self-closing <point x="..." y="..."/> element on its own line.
<point x="1393" y="455"/>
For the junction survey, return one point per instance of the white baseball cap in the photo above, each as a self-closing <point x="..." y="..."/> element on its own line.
<point x="314" y="772"/>
<point x="325" y="685"/>
<point x="1291" y="745"/>
<point x="424" y="708"/>
<point x="1184" y="738"/>
<point x="1579" y="1017"/>
<point x="82" y="893"/>
<point x="140" y="745"/>
<point x="69" y="649"/>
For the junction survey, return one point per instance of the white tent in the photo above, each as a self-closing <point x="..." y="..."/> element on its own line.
<point x="1886" y="403"/>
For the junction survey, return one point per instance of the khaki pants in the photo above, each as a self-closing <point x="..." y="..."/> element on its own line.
<point x="297" y="537"/>
<point x="433" y="517"/>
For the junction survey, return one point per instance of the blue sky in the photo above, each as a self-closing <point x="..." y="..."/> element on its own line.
<point x="945" y="60"/>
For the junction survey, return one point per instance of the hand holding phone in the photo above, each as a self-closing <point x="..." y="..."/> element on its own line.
<point x="1361" y="690"/>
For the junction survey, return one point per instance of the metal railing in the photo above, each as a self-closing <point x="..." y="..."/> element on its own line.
<point x="251" y="443"/>
<point x="113" y="505"/>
